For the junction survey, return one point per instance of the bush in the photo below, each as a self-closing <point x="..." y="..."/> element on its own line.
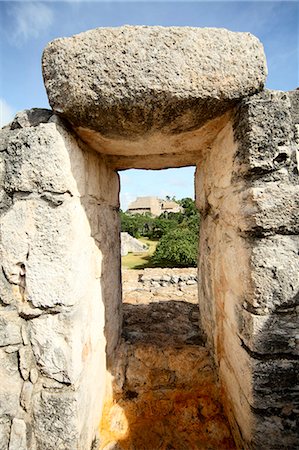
<point x="177" y="248"/>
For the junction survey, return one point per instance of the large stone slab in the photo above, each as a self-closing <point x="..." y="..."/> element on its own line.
<point x="128" y="82"/>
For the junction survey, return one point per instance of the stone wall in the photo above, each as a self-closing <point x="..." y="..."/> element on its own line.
<point x="59" y="232"/>
<point x="247" y="192"/>
<point x="150" y="285"/>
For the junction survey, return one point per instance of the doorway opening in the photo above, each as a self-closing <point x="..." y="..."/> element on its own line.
<point x="169" y="397"/>
<point x="159" y="248"/>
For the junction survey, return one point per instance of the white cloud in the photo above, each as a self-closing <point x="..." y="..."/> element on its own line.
<point x="6" y="113"/>
<point x="30" y="20"/>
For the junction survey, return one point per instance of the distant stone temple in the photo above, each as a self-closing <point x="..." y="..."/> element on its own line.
<point x="153" y="206"/>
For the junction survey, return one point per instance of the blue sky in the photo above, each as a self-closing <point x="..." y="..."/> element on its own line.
<point x="26" y="27"/>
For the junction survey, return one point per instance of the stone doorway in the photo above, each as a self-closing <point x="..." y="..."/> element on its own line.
<point x="179" y="97"/>
<point x="165" y="392"/>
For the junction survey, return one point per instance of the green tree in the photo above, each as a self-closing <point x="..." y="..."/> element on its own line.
<point x="136" y="224"/>
<point x="177" y="248"/>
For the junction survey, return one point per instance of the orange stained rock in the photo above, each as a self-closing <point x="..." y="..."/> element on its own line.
<point x="167" y="420"/>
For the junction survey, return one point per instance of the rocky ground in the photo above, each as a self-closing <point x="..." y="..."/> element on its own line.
<point x="166" y="395"/>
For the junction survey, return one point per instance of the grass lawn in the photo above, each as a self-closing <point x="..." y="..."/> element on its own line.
<point x="139" y="260"/>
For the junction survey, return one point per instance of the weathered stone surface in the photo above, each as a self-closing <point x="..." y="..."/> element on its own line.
<point x="168" y="321"/>
<point x="29" y="168"/>
<point x="275" y="273"/>
<point x="54" y="248"/>
<point x="25" y="361"/>
<point x="168" y="395"/>
<point x="294" y="98"/>
<point x="11" y="384"/>
<point x="266" y="382"/>
<point x="5" y="424"/>
<point x="271" y="209"/>
<point x="26" y="395"/>
<point x="56" y="420"/>
<point x="33" y="375"/>
<point x="105" y="228"/>
<point x="33" y="236"/>
<point x="30" y="118"/>
<point x="18" y="440"/>
<point x="270" y="333"/>
<point x="136" y="80"/>
<point x="279" y="431"/>
<point x="247" y="188"/>
<point x="265" y="132"/>
<point x="10" y="328"/>
<point x="155" y="285"/>
<point x="57" y="357"/>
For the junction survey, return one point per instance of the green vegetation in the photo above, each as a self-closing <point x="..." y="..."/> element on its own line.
<point x="177" y="234"/>
<point x="176" y="249"/>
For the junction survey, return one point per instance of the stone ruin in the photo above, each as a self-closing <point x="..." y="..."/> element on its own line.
<point x="151" y="98"/>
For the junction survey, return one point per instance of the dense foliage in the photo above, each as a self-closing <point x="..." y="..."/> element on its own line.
<point x="177" y="234"/>
<point x="177" y="249"/>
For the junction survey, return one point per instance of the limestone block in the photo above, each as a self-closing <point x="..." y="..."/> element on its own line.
<point x="45" y="251"/>
<point x="236" y="404"/>
<point x="151" y="367"/>
<point x="11" y="384"/>
<point x="105" y="228"/>
<point x="52" y="275"/>
<point x="277" y="431"/>
<point x="294" y="98"/>
<point x="33" y="375"/>
<point x="270" y="334"/>
<point x="38" y="161"/>
<point x="136" y="79"/>
<point x="56" y="420"/>
<point x="56" y="343"/>
<point x="26" y="394"/>
<point x="275" y="273"/>
<point x="18" y="440"/>
<point x="25" y="361"/>
<point x="5" y="424"/>
<point x="10" y="328"/>
<point x="30" y="118"/>
<point x="102" y="182"/>
<point x="258" y="426"/>
<point x="264" y="130"/>
<point x="5" y="200"/>
<point x="272" y="208"/>
<point x="266" y="382"/>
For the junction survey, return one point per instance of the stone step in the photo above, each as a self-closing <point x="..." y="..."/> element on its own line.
<point x="168" y="399"/>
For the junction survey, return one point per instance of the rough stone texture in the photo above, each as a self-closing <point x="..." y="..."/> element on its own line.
<point x="160" y="305"/>
<point x="11" y="385"/>
<point x="18" y="440"/>
<point x="58" y="202"/>
<point x="153" y="285"/>
<point x="165" y="394"/>
<point x="247" y="189"/>
<point x="5" y="425"/>
<point x="10" y="329"/>
<point x="149" y="81"/>
<point x="155" y="98"/>
<point x="164" y="388"/>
